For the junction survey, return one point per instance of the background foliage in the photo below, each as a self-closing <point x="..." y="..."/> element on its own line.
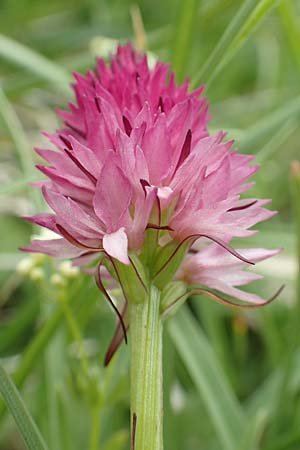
<point x="232" y="379"/>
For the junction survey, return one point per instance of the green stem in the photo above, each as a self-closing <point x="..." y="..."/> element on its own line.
<point x="76" y="333"/>
<point x="95" y="428"/>
<point x="146" y="372"/>
<point x="295" y="175"/>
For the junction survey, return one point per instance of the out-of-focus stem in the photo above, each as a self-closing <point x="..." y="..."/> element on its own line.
<point x="95" y="427"/>
<point x="295" y="174"/>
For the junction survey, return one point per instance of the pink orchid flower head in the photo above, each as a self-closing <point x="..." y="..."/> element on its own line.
<point x="136" y="179"/>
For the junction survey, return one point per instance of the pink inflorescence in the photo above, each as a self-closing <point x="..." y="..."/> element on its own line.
<point x="135" y="154"/>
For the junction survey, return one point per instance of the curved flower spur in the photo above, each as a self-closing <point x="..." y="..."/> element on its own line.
<point x="138" y="179"/>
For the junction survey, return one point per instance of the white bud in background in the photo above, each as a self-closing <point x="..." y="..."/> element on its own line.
<point x="68" y="270"/>
<point x="38" y="258"/>
<point x="36" y="274"/>
<point x="177" y="398"/>
<point x="103" y="46"/>
<point x="57" y="280"/>
<point x="25" y="266"/>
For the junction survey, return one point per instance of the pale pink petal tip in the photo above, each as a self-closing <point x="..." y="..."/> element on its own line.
<point x="116" y="245"/>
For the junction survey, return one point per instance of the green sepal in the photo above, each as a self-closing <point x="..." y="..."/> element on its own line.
<point x="133" y="279"/>
<point x="168" y="261"/>
<point x="147" y="255"/>
<point x="172" y="297"/>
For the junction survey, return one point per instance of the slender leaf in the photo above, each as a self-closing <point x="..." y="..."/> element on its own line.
<point x="250" y="14"/>
<point x="117" y="441"/>
<point x="207" y="70"/>
<point x="291" y="24"/>
<point x="18" y="185"/>
<point x="269" y="123"/>
<point x="262" y="8"/>
<point x="24" y="421"/>
<point x="34" y="62"/>
<point x="264" y="397"/>
<point x="54" y="361"/>
<point x="183" y="32"/>
<point x="41" y="341"/>
<point x="295" y="179"/>
<point x="20" y="140"/>
<point x="209" y="378"/>
<point x="276" y="141"/>
<point x="254" y="432"/>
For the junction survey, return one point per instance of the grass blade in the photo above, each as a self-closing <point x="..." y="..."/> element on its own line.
<point x="210" y="381"/>
<point x="255" y="429"/>
<point x="291" y="25"/>
<point x="18" y="135"/>
<point x="236" y="34"/>
<point x="207" y="70"/>
<point x="20" y="140"/>
<point x="266" y="125"/>
<point x="38" y="64"/>
<point x="295" y="180"/>
<point x="183" y="32"/>
<point x="23" y="419"/>
<point x="277" y="140"/>
<point x="41" y="341"/>
<point x="14" y="187"/>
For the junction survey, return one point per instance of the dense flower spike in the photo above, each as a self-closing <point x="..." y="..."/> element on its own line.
<point x="137" y="171"/>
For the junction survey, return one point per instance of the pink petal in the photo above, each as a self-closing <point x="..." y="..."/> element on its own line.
<point x="44" y="220"/>
<point x="232" y="291"/>
<point x="58" y="248"/>
<point x="156" y="147"/>
<point x="69" y="213"/>
<point x="143" y="208"/>
<point x="112" y="197"/>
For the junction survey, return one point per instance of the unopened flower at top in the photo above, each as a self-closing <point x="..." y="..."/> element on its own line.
<point x="137" y="175"/>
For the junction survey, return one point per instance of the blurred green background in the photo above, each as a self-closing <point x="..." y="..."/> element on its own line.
<point x="232" y="378"/>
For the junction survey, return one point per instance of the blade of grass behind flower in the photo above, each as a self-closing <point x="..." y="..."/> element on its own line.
<point x="295" y="181"/>
<point x="38" y="64"/>
<point x="20" y="140"/>
<point x="255" y="429"/>
<point x="209" y="378"/>
<point x="183" y="33"/>
<point x="291" y="24"/>
<point x="236" y="34"/>
<point x="23" y="419"/>
<point x="264" y="397"/>
<point x="265" y="126"/>
<point x="208" y="67"/>
<point x="82" y="299"/>
<point x="276" y="141"/>
<point x="14" y="187"/>
<point x="54" y="363"/>
<point x="212" y="321"/>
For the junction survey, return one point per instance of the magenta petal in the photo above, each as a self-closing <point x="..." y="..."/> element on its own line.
<point x="112" y="197"/>
<point x="156" y="147"/>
